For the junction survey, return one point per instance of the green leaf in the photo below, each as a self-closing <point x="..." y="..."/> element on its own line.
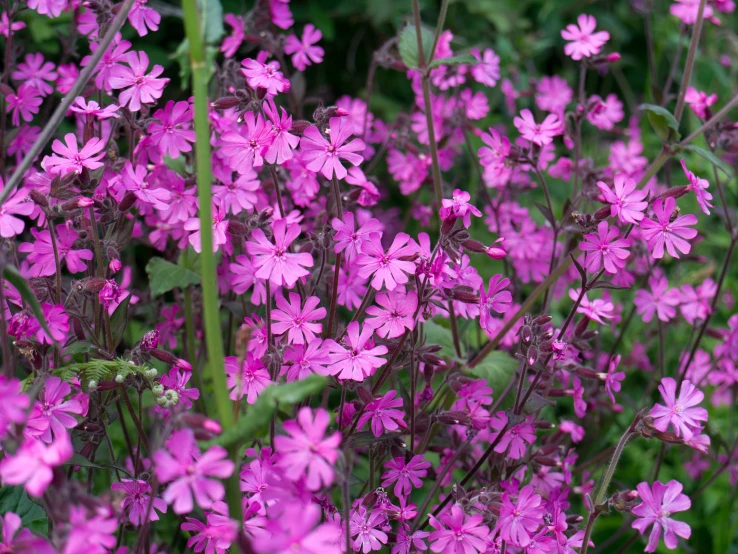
<point x="211" y="13"/>
<point x="79" y="460"/>
<point x="259" y="415"/>
<point x="119" y="320"/>
<point x="436" y="334"/>
<point x="13" y="276"/>
<point x="461" y="59"/>
<point x="33" y="516"/>
<point x="662" y="121"/>
<point x="165" y="276"/>
<point x="81" y="347"/>
<point x="710" y="157"/>
<point x="497" y="369"/>
<point x="408" y="45"/>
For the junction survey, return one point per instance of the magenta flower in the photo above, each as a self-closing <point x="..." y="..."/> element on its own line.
<point x="456" y="533"/>
<point x="553" y="94"/>
<point x="350" y="239"/>
<point x="299" y="531"/>
<point x="487" y="71"/>
<point x="604" y="114"/>
<point x="519" y="520"/>
<point x="688" y="10"/>
<point x="15" y="205"/>
<point x="302" y="360"/>
<point x="141" y="88"/>
<point x="245" y="149"/>
<point x="233" y="41"/>
<point x="282" y="141"/>
<point x="304" y="52"/>
<point x="176" y="380"/>
<point x="171" y="128"/>
<point x="249" y="380"/>
<point x="515" y="438"/>
<point x="13" y="539"/>
<point x="583" y="41"/>
<point x="296" y="320"/>
<point x="404" y="475"/>
<point x="397" y="313"/>
<point x="7" y="28"/>
<point x="597" y="310"/>
<point x="136" y="502"/>
<point x="388" y="269"/>
<point x="459" y="207"/>
<point x="134" y="180"/>
<point x="495" y="299"/>
<point x="93" y="535"/>
<point x="92" y="108"/>
<point x="235" y="195"/>
<point x="700" y="102"/>
<point x="699" y="187"/>
<point x="665" y="233"/>
<point x="307" y="452"/>
<point x="494" y="157"/>
<point x="361" y="358"/>
<point x="660" y="300"/>
<point x="613" y="377"/>
<point x="265" y="76"/>
<point x="325" y="157"/>
<point x="35" y="72"/>
<point x="279" y="11"/>
<point x="220" y="230"/>
<point x="680" y="411"/>
<point x="72" y="160"/>
<point x="143" y="18"/>
<point x="383" y="414"/>
<point x="364" y="525"/>
<point x="275" y="261"/>
<point x="56" y="412"/>
<point x="188" y="472"/>
<point x="33" y="463"/>
<point x="626" y="202"/>
<point x="657" y="504"/>
<point x="603" y="249"/>
<point x="58" y="322"/>
<point x="25" y="103"/>
<point x="13" y="403"/>
<point x="540" y="134"/>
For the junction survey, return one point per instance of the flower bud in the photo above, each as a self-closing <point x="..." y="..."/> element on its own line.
<point x="157" y="389"/>
<point x="39" y="198"/>
<point x="225" y="103"/>
<point x="120" y="378"/>
<point x="614" y="57"/>
<point x="151" y="373"/>
<point x="115" y="266"/>
<point x="497" y="251"/>
<point x="299" y="126"/>
<point x="127" y="203"/>
<point x="474" y="246"/>
<point x="602" y="213"/>
<point x="150" y="340"/>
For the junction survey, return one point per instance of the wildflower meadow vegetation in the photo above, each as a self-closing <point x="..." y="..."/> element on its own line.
<point x="331" y="276"/>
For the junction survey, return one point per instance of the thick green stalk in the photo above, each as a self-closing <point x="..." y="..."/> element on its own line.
<point x="213" y="331"/>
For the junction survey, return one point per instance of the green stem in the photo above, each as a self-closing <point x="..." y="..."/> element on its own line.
<point x="211" y="315"/>
<point x="689" y="65"/>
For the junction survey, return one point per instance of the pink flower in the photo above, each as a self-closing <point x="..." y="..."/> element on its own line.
<point x="144" y="88"/>
<point x="275" y="261"/>
<point x="7" y="28"/>
<point x="171" y="128"/>
<point x="220" y="230"/>
<point x="34" y="71"/>
<point x="25" y="103"/>
<point x="657" y="504"/>
<point x="282" y="141"/>
<point x="604" y="114"/>
<point x="188" y="472"/>
<point x="696" y="302"/>
<point x="296" y="321"/>
<point x="602" y="248"/>
<point x="475" y="104"/>
<point x="665" y="233"/>
<point x="699" y="101"/>
<point x="15" y="205"/>
<point x="364" y="525"/>
<point x="514" y="439"/>
<point x="307" y="452"/>
<point x="360" y="359"/>
<point x="301" y="360"/>
<point x="680" y="411"/>
<point x="50" y="8"/>
<point x="54" y="411"/>
<point x="395" y="315"/>
<point x="33" y="463"/>
<point x="496" y="299"/>
<point x="597" y="310"/>
<point x="216" y="535"/>
<point x="699" y="187"/>
<point x="109" y="64"/>
<point x="299" y="531"/>
<point x="459" y="207"/>
<point x="13" y="403"/>
<point x="134" y="180"/>
<point x="176" y="380"/>
<point x="553" y="94"/>
<point x="687" y="11"/>
<point x="387" y="269"/>
<point x="583" y="41"/>
<point x="235" y="195"/>
<point x="245" y="149"/>
<point x="92" y="108"/>
<point x="383" y="415"/>
<point x="350" y="239"/>
<point x="404" y="475"/>
<point x="143" y="18"/>
<point x="265" y="76"/>
<point x="279" y="10"/>
<point x="72" y="160"/>
<point x="58" y="322"/>
<point x="660" y="300"/>
<point x="248" y="380"/>
<point x="626" y="202"/>
<point x="519" y="520"/>
<point x="540" y="134"/>
<point x="303" y="52"/>
<point x="136" y="502"/>
<point x="487" y="71"/>
<point x="325" y="157"/>
<point x="13" y="541"/>
<point x="494" y="158"/>
<point x="90" y="535"/>
<point x="456" y="533"/>
<point x="613" y="378"/>
<point x="233" y="41"/>
<point x="68" y="74"/>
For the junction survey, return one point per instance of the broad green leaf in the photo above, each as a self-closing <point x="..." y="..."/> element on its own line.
<point x="259" y="415"/>
<point x="165" y="276"/>
<point x="81" y="347"/>
<point x="408" y="45"/>
<point x="211" y="13"/>
<point x="662" y="121"/>
<point x="497" y="369"/>
<point x="461" y="59"/>
<point x="710" y="157"/>
<point x="436" y="334"/>
<point x="119" y="320"/>
<point x="16" y="500"/>
<point x="13" y="276"/>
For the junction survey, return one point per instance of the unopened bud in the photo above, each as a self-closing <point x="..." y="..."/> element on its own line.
<point x="225" y="103"/>
<point x="115" y="266"/>
<point x="39" y="198"/>
<point x="127" y="203"/>
<point x="614" y="57"/>
<point x="602" y="213"/>
<point x="474" y="246"/>
<point x="299" y="126"/>
<point x="164" y="356"/>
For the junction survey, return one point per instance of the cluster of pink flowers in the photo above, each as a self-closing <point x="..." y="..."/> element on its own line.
<point x="407" y="328"/>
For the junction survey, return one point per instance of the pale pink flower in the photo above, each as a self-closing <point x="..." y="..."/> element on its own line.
<point x="360" y="359"/>
<point x="296" y="320"/>
<point x="660" y="300"/>
<point x="15" y="205"/>
<point x="553" y="94"/>
<point x="248" y="380"/>
<point x="626" y="202"/>
<point x="680" y="411"/>
<point x="395" y="315"/>
<point x="33" y="463"/>
<point x="456" y="532"/>
<point x="487" y="71"/>
<point x="70" y="159"/>
<point x="657" y="504"/>
<point x="602" y="248"/>
<point x="274" y="261"/>
<point x="387" y="269"/>
<point x="687" y="11"/>
<point x="519" y="520"/>
<point x="584" y="42"/>
<point x="604" y="114"/>
<point x="145" y="88"/>
<point x="667" y="234"/>
<point x="540" y="134"/>
<point x="348" y="239"/>
<point x="383" y="414"/>
<point x="324" y="156"/>
<point x="304" y="52"/>
<point x="265" y="76"/>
